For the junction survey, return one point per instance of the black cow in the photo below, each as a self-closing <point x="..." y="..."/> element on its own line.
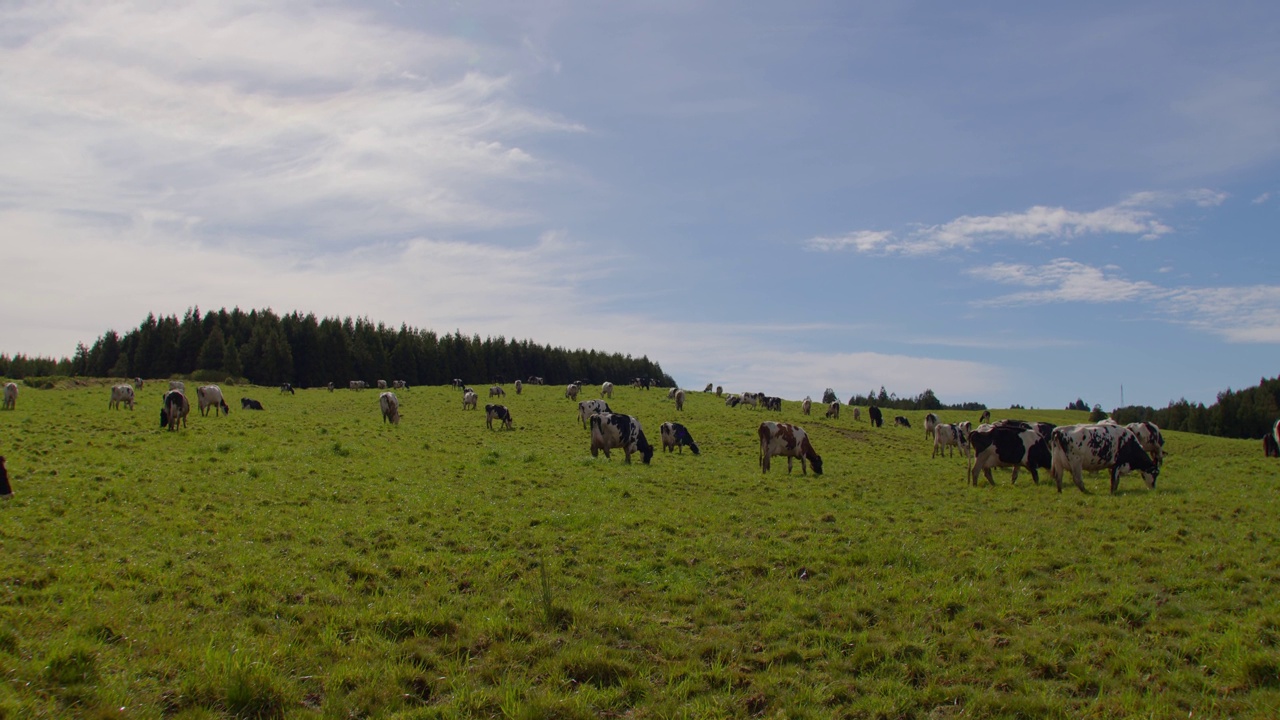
<point x="877" y="418"/>
<point x="5" y="490"/>
<point x="1009" y="445"/>
<point x="285" y="388"/>
<point x="613" y="430"/>
<point x="249" y="404"/>
<point x="674" y="435"/>
<point x="499" y="413"/>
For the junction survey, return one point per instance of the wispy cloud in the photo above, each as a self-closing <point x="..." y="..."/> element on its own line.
<point x="1264" y="197"/>
<point x="1135" y="215"/>
<point x="1062" y="280"/>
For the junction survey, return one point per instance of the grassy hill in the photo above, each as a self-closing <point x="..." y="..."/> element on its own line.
<point x="311" y="561"/>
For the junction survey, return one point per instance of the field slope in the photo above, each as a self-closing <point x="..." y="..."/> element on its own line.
<point x="311" y="561"/>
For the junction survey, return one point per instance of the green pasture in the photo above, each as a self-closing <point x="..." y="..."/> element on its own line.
<point x="312" y="561"/>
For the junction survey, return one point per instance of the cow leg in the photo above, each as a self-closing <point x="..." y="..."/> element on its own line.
<point x="1078" y="476"/>
<point x="1035" y="477"/>
<point x="987" y="473"/>
<point x="1115" y="479"/>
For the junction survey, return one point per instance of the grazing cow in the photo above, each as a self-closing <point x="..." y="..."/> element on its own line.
<point x="137" y="383"/>
<point x="773" y="403"/>
<point x="497" y="391"/>
<point x="613" y="430"/>
<point x="469" y="400"/>
<point x="674" y="435"/>
<point x="606" y="390"/>
<point x="1151" y="439"/>
<point x="382" y="384"/>
<point x="457" y="382"/>
<point x="249" y="404"/>
<point x="679" y="400"/>
<point x="645" y="383"/>
<point x="1016" y="445"/>
<point x="947" y="437"/>
<point x="1097" y="447"/>
<point x="587" y="408"/>
<point x="985" y="417"/>
<point x="806" y="405"/>
<point x="833" y="410"/>
<point x="790" y="440"/>
<point x="719" y="390"/>
<point x="210" y="396"/>
<point x="177" y="385"/>
<point x="671" y="394"/>
<point x="6" y="491"/>
<point x="732" y="401"/>
<point x="571" y="391"/>
<point x="331" y="386"/>
<point x="355" y="384"/>
<point x="286" y="388"/>
<point x="499" y="413"/>
<point x="174" y="408"/>
<point x="930" y="422"/>
<point x="877" y="418"/>
<point x="1270" y="447"/>
<point x="857" y="414"/>
<point x="707" y="389"/>
<point x="121" y="394"/>
<point x="1043" y="429"/>
<point x="519" y="387"/>
<point x="390" y="405"/>
<point x="535" y="380"/>
<point x="750" y="398"/>
<point x="901" y="421"/>
<point x="400" y="385"/>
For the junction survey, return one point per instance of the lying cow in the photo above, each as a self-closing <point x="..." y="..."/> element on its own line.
<point x="613" y="430"/>
<point x="121" y="395"/>
<point x="390" y="405"/>
<point x="1015" y="445"/>
<point x="587" y="408"/>
<point x="790" y="440"/>
<point x="210" y="396"/>
<point x="674" y="435"/>
<point x="1080" y="448"/>
<point x="249" y="404"/>
<point x="499" y="413"/>
<point x="174" y="408"/>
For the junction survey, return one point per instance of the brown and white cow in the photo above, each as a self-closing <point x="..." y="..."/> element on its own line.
<point x="1080" y="448"/>
<point x="790" y="440"/>
<point x="174" y="408"/>
<point x="390" y="405"/>
<point x="613" y="430"/>
<point x="210" y="396"/>
<point x="675" y="435"/>
<point x="499" y="413"/>
<point x="121" y="395"/>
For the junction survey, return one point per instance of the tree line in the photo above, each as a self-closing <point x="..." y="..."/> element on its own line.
<point x="267" y="349"/>
<point x="1247" y="413"/>
<point x="926" y="400"/>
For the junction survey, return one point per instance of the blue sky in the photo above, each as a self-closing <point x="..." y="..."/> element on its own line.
<point x="1001" y="202"/>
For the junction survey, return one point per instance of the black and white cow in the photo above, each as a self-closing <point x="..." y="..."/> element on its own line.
<point x="930" y="422"/>
<point x="249" y="404"/>
<point x="732" y="401"/>
<point x="1079" y="448"/>
<point x="708" y="388"/>
<point x="877" y="418"/>
<point x="947" y="437"/>
<point x="400" y="385"/>
<point x="1152" y="440"/>
<point x="174" y="408"/>
<point x="985" y="417"/>
<point x="137" y="383"/>
<point x="606" y="390"/>
<point x="772" y="402"/>
<point x="674" y="435"/>
<point x="6" y="490"/>
<point x="1043" y="429"/>
<point x="1009" y="445"/>
<point x="499" y="413"/>
<point x="901" y="421"/>
<point x="790" y="440"/>
<point x="497" y="391"/>
<point x="613" y="430"/>
<point x="519" y="387"/>
<point x="1271" y="442"/>
<point x="535" y="380"/>
<point x="750" y="398"/>
<point x="121" y="395"/>
<point x="390" y="405"/>
<point x="719" y="390"/>
<point x="210" y="396"/>
<point x="457" y="382"/>
<point x="469" y="400"/>
<point x="679" y="400"/>
<point x="286" y="388"/>
<point x="587" y="408"/>
<point x="571" y="391"/>
<point x="330" y="386"/>
<point x="833" y="409"/>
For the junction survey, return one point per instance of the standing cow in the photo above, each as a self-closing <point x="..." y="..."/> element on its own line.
<point x="833" y="410"/>
<point x="499" y="413"/>
<point x="930" y="422"/>
<point x="469" y="400"/>
<point x="806" y="405"/>
<point x="210" y="396"/>
<point x="571" y="391"/>
<point x="1271" y="446"/>
<point x="519" y="387"/>
<point x="174" y="408"/>
<point x="877" y="417"/>
<point x="947" y="437"/>
<point x="587" y="408"/>
<point x="1151" y="439"/>
<point x="790" y="440"/>
<point x="287" y="388"/>
<point x="497" y="391"/>
<point x="1115" y="448"/>
<point x="390" y="405"/>
<point x="675" y="435"/>
<point x="606" y="390"/>
<point x="1010" y="444"/>
<point x="679" y="400"/>
<point x="613" y="430"/>
<point x="121" y="395"/>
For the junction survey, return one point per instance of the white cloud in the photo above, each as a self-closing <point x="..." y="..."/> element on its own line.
<point x="1135" y="215"/>
<point x="1262" y="198"/>
<point x="1067" y="281"/>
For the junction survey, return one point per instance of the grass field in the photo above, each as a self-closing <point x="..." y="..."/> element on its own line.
<point x="310" y="561"/>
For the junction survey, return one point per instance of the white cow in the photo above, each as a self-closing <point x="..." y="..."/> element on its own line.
<point x="469" y="400"/>
<point x="930" y="422"/>
<point x="571" y="391"/>
<point x="210" y="396"/>
<point x="947" y="437"/>
<point x="497" y="391"/>
<point x="606" y="390"/>
<point x="390" y="405"/>
<point x="382" y="385"/>
<point x="679" y="400"/>
<point x="10" y="396"/>
<point x="121" y="395"/>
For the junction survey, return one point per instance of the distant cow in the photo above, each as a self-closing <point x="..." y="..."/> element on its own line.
<point x="707" y="389"/>
<point x="535" y="380"/>
<point x="606" y="390"/>
<point x="1151" y="439"/>
<point x="390" y="405"/>
<point x="750" y="398"/>
<point x="249" y="404"/>
<point x="772" y="403"/>
<point x="137" y="383"/>
<point x="790" y="440"/>
<point x="612" y="430"/>
<point x="930" y="422"/>
<point x="6" y="491"/>
<point x="679" y="400"/>
<point x="571" y="391"/>
<point x="469" y="400"/>
<point x="857" y="414"/>
<point x="1078" y="448"/>
<point x="210" y="396"/>
<point x="330" y="386"/>
<point x="496" y="391"/>
<point x="985" y="417"/>
<point x="833" y="410"/>
<point x="382" y="384"/>
<point x="1009" y="445"/>
<point x="177" y="385"/>
<point x="719" y="390"/>
<point x="400" y="385"/>
<point x="671" y="394"/>
<point x="174" y="408"/>
<point x="519" y="387"/>
<point x="732" y="401"/>
<point x="587" y="408"/>
<point x="286" y="388"/>
<point x="356" y="385"/>
<point x="806" y="405"/>
<point x="121" y="395"/>
<point x="877" y="418"/>
<point x="947" y="437"/>
<point x="499" y="413"/>
<point x="457" y="382"/>
<point x="674" y="435"/>
<point x="1270" y="445"/>
<point x="901" y="421"/>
